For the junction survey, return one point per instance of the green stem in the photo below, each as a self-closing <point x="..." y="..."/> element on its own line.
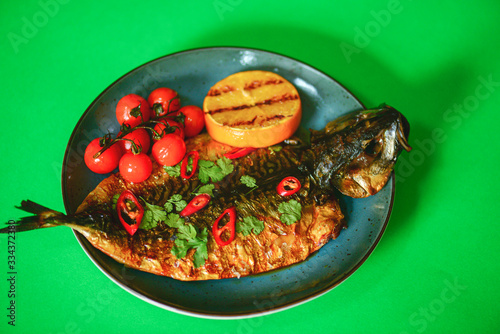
<point x="144" y="125"/>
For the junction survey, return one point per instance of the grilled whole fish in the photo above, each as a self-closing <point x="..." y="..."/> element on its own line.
<point x="354" y="154"/>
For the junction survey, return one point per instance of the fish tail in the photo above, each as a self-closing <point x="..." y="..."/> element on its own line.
<point x="43" y="217"/>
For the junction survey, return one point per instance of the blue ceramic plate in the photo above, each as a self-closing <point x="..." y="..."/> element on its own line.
<point x="192" y="73"/>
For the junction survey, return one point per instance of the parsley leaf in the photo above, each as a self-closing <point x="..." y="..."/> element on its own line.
<point x="153" y="214"/>
<point x="249" y="181"/>
<point x="250" y="224"/>
<point x="211" y="171"/>
<point x="290" y="212"/>
<point x="173" y="171"/>
<point x="206" y="189"/>
<point x="177" y="201"/>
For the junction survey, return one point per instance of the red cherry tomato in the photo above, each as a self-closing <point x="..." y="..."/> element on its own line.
<point x="160" y="127"/>
<point x="107" y="161"/>
<point x="169" y="150"/>
<point x="167" y="99"/>
<point x="140" y="138"/>
<point x="135" y="167"/>
<point x="128" y="105"/>
<point x="194" y="121"/>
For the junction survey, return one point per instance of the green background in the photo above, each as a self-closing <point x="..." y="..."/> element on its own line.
<point x="435" y="270"/>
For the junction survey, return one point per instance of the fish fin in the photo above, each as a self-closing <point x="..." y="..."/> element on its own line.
<point x="41" y="219"/>
<point x="32" y="207"/>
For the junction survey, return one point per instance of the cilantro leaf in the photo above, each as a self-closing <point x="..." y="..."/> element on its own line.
<point x="114" y="201"/>
<point x="249" y="181"/>
<point x="153" y="214"/>
<point x="225" y="165"/>
<point x="180" y="249"/>
<point x="187" y="238"/>
<point x="275" y="148"/>
<point x="206" y="170"/>
<point x="168" y="206"/>
<point x="177" y="201"/>
<point x="187" y="232"/>
<point x="173" y="171"/>
<point x="290" y="211"/>
<point x="201" y="255"/>
<point x="174" y="220"/>
<point x="250" y="224"/>
<point x="210" y="171"/>
<point x="206" y="189"/>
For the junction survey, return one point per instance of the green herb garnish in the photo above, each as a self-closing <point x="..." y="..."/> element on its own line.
<point x="214" y="171"/>
<point x="153" y="214"/>
<point x="177" y="201"/>
<point x="249" y="181"/>
<point x="250" y="224"/>
<point x="189" y="237"/>
<point x="173" y="171"/>
<point x="205" y="189"/>
<point x="275" y="148"/>
<point x="290" y="212"/>
<point x="114" y="201"/>
<point x="174" y="220"/>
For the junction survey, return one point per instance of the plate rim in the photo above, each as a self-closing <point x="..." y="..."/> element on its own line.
<point x="215" y="315"/>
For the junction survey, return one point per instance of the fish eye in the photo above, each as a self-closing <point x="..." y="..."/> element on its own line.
<point x="373" y="147"/>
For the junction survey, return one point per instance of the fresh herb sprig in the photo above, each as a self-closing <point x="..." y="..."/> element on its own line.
<point x="290" y="212"/>
<point x="187" y="236"/>
<point x="177" y="201"/>
<point x="249" y="225"/>
<point x="205" y="189"/>
<point x="214" y="171"/>
<point x="153" y="214"/>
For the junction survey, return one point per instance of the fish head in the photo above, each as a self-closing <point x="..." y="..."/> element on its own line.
<point x="359" y="150"/>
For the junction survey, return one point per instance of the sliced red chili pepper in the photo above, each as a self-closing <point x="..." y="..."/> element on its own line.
<point x="130" y="211"/>
<point x="196" y="157"/>
<point x="288" y="186"/>
<point x="239" y="152"/>
<point x="231" y="226"/>
<point x="195" y="205"/>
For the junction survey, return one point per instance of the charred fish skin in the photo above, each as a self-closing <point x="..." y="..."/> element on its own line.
<point x="356" y="153"/>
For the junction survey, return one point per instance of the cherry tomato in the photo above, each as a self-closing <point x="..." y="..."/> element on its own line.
<point x="140" y="138"/>
<point x="167" y="98"/>
<point x="159" y="127"/>
<point x="169" y="150"/>
<point x="107" y="161"/>
<point x="128" y="105"/>
<point x="135" y="167"/>
<point x="194" y="121"/>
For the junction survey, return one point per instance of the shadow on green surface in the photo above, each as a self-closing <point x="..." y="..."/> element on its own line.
<point x="423" y="100"/>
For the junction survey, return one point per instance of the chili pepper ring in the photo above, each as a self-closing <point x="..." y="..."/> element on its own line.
<point x="231" y="226"/>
